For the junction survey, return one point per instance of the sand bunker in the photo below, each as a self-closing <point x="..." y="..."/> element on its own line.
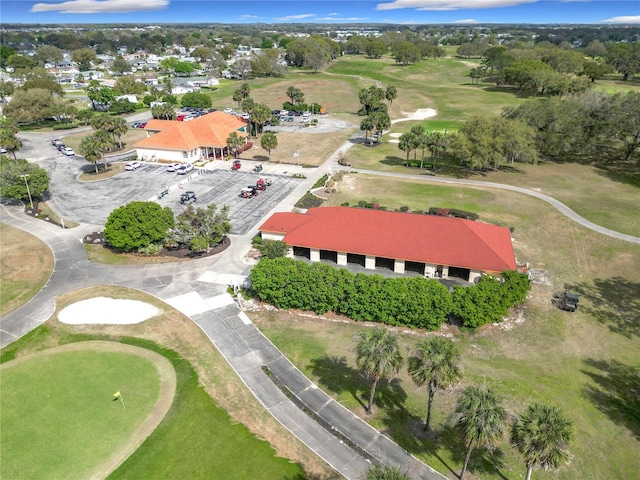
<point x="102" y="310"/>
<point x="420" y="114"/>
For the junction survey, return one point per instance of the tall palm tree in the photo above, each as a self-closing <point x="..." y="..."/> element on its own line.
<point x="378" y="356"/>
<point x="406" y="143"/>
<point x="481" y="420"/>
<point x="269" y="141"/>
<point x="234" y="142"/>
<point x="434" y="364"/>
<point x="90" y="151"/>
<point x="542" y="435"/>
<point x="367" y="126"/>
<point x="391" y="93"/>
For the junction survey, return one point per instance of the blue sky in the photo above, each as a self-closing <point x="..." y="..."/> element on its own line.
<point x="345" y="11"/>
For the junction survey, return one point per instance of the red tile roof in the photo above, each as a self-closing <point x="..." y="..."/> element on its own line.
<point x="211" y="130"/>
<point x="405" y="236"/>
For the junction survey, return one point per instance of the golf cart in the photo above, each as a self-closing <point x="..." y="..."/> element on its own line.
<point x="568" y="301"/>
<point x="236" y="165"/>
<point x="248" y="192"/>
<point x="257" y="168"/>
<point x="187" y="197"/>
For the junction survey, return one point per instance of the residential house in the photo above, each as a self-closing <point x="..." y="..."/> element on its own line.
<point x="429" y="245"/>
<point x="203" y="138"/>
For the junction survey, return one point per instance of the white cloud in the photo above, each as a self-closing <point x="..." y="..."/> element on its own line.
<point x="297" y="17"/>
<point x="248" y="16"/>
<point x="623" y="19"/>
<point x="343" y="19"/>
<point x="449" y="4"/>
<point x="465" y="21"/>
<point x="101" y="6"/>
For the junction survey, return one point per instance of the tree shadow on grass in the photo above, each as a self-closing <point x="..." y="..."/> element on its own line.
<point x="614" y="302"/>
<point x="335" y="375"/>
<point x="617" y="391"/>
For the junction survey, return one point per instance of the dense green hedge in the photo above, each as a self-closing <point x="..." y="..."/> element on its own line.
<point x="416" y="301"/>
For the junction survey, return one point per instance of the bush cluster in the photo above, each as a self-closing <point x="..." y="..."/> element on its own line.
<point x="65" y="126"/>
<point x="453" y="212"/>
<point x="414" y="302"/>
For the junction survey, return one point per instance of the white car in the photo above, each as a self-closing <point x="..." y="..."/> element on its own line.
<point x="184" y="169"/>
<point x="172" y="167"/>
<point x="130" y="166"/>
<point x="228" y="110"/>
<point x="3" y="150"/>
<point x="68" y="151"/>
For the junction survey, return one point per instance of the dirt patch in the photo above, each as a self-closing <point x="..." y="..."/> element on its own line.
<point x="160" y="409"/>
<point x="25" y="265"/>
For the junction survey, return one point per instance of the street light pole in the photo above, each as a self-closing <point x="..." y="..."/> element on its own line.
<point x="25" y="176"/>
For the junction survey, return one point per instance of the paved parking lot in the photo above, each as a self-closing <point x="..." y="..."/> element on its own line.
<point x="92" y="202"/>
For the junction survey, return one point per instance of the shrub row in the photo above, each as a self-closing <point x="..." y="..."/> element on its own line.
<point x="453" y="212"/>
<point x="414" y="302"/>
<point x="65" y="126"/>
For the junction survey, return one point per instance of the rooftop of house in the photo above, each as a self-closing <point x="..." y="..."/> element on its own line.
<point x="411" y="237"/>
<point x="210" y="130"/>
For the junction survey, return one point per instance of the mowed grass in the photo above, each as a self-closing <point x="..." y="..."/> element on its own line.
<point x="215" y="427"/>
<point x="26" y="264"/>
<point x="587" y="363"/>
<point x="58" y="416"/>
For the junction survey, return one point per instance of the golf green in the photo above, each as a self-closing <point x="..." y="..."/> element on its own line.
<point x="59" y="417"/>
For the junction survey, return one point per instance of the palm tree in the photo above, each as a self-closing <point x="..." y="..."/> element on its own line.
<point x="376" y="472"/>
<point x="406" y="143"/>
<point x="269" y="141"/>
<point x="367" y="126"/>
<point x="378" y="355"/>
<point x="434" y="364"/>
<point x="391" y="93"/>
<point x="90" y="151"/>
<point x="118" y="128"/>
<point x="542" y="435"/>
<point x="234" y="142"/>
<point x="481" y="420"/>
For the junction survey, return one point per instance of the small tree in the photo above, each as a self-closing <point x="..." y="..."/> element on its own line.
<point x="269" y="141"/>
<point x="12" y="179"/>
<point x="273" y="249"/>
<point x="137" y="225"/>
<point x="376" y="472"/>
<point x="378" y="356"/>
<point x="542" y="435"/>
<point x="200" y="228"/>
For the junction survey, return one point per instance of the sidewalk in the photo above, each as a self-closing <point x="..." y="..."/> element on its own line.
<point x="247" y="350"/>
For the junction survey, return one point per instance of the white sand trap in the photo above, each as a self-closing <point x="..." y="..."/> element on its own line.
<point x="395" y="135"/>
<point x="420" y="114"/>
<point x="394" y="141"/>
<point x="104" y="311"/>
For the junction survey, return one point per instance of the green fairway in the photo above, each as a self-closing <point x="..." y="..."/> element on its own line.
<point x="195" y="440"/>
<point x="58" y="414"/>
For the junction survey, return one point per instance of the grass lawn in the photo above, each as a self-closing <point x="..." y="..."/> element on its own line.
<point x="58" y="416"/>
<point x="132" y="136"/>
<point x="215" y="428"/>
<point x="25" y="266"/>
<point x="586" y="363"/>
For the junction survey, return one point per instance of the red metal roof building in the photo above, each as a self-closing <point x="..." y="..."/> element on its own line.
<point x="201" y="138"/>
<point x="428" y="244"/>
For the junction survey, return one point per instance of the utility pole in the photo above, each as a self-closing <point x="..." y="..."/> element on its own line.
<point x="25" y="176"/>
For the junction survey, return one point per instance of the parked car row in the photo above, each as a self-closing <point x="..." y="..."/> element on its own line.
<point x="62" y="148"/>
<point x="139" y="124"/>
